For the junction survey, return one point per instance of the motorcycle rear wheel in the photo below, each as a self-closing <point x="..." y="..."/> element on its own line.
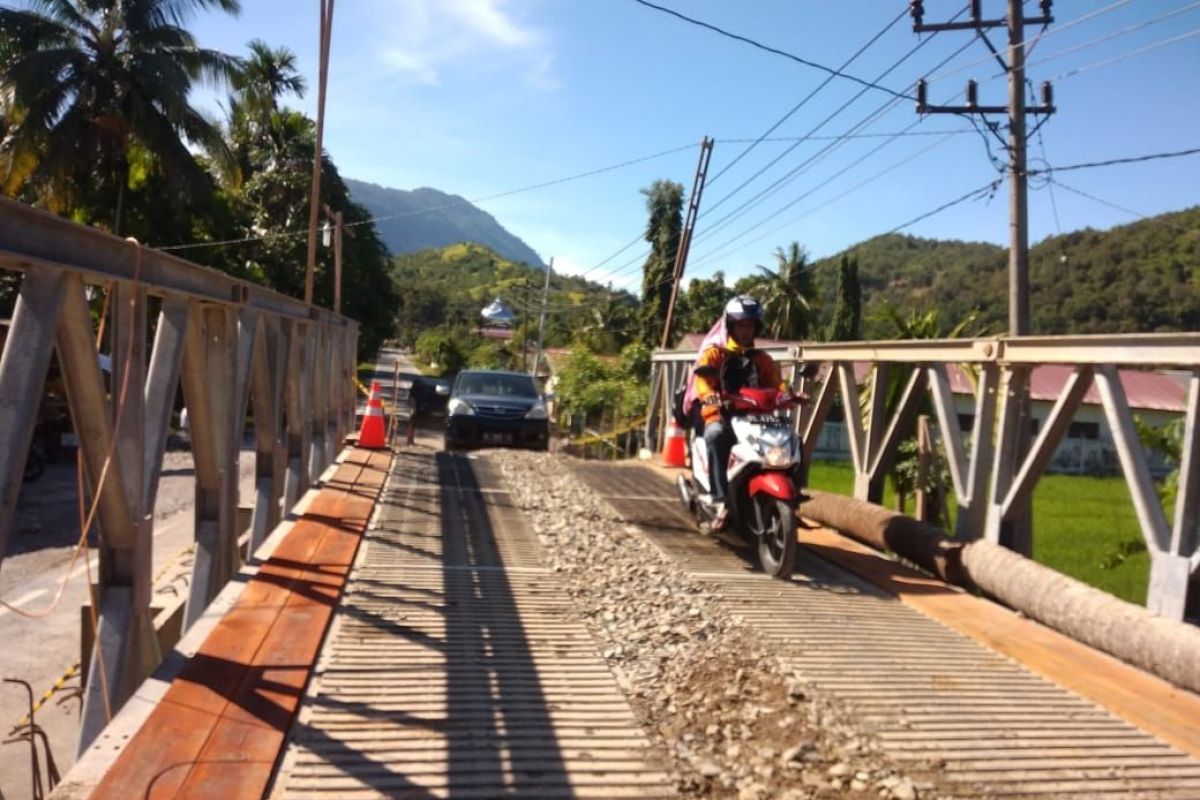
<point x="776" y="536"/>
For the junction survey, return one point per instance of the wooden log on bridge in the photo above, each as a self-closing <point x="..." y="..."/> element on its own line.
<point x="1165" y="647"/>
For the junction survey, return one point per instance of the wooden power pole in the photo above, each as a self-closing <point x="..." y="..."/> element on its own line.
<point x="322" y="79"/>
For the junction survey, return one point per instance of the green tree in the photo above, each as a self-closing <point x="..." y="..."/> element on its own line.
<point x="703" y="303"/>
<point x="786" y="293"/>
<point x="846" y="325"/>
<point x="100" y="89"/>
<point x="267" y="75"/>
<point x="664" y="201"/>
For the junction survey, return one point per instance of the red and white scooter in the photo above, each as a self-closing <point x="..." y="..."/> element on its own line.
<point x="764" y="476"/>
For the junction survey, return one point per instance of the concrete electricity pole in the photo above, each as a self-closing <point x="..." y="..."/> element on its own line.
<point x="1018" y="534"/>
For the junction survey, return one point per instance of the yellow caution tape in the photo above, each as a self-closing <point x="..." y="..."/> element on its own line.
<point x="600" y="437"/>
<point x="71" y="672"/>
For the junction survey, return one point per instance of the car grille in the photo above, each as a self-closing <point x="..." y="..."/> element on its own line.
<point x="500" y="412"/>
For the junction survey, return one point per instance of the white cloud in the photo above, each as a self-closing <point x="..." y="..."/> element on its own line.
<point x="429" y="36"/>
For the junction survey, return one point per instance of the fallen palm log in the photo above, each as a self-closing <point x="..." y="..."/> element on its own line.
<point x="1165" y="647"/>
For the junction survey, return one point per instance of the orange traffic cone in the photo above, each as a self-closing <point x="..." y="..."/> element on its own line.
<point x="373" y="435"/>
<point x="674" y="452"/>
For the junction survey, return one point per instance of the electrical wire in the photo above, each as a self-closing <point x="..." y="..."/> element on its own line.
<point x="986" y="190"/>
<point x="1109" y="36"/>
<point x="866" y="121"/>
<point x="807" y="98"/>
<point x="899" y="134"/>
<point x="722" y="251"/>
<point x="1031" y="43"/>
<point x="1114" y="161"/>
<point x="774" y="50"/>
<point x="443" y="207"/>
<point x="1071" y="73"/>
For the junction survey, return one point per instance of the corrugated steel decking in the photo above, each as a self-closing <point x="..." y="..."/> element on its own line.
<point x="458" y="666"/>
<point x="941" y="703"/>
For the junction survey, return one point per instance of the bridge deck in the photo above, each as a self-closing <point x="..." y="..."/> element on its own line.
<point x="941" y="703"/>
<point x="457" y="666"/>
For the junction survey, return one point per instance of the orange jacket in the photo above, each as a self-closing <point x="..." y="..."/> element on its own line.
<point x="708" y="373"/>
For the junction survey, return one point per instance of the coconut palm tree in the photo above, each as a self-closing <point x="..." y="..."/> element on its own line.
<point x="785" y="293"/>
<point x="95" y="86"/>
<point x="267" y="75"/>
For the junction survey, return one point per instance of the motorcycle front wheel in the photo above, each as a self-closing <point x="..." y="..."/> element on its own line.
<point x="773" y="523"/>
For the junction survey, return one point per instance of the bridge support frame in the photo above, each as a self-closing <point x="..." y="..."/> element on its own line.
<point x="991" y="484"/>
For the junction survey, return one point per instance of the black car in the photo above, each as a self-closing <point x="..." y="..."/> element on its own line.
<point x="491" y="407"/>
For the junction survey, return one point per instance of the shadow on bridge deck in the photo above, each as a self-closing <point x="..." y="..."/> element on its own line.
<point x="458" y="668"/>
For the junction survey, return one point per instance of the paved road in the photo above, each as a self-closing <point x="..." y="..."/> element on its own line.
<point x="40" y="651"/>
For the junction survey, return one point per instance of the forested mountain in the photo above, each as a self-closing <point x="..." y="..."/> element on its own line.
<point x="1141" y="277"/>
<point x="426" y="218"/>
<point x="448" y="287"/>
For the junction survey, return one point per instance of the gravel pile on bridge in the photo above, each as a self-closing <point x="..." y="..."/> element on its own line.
<point x="725" y="716"/>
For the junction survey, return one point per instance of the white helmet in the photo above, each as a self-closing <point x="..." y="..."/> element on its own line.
<point x="744" y="307"/>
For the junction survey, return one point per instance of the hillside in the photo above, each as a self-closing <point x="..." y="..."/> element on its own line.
<point x="451" y="285"/>
<point x="1141" y="277"/>
<point x="426" y="218"/>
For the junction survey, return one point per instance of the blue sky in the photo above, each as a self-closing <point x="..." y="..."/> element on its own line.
<point x="480" y="97"/>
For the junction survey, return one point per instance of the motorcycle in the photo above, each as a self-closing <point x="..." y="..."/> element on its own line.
<point x="764" y="476"/>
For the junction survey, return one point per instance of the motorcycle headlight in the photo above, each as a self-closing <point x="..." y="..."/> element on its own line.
<point x="537" y="412"/>
<point x="777" y="456"/>
<point x="458" y="407"/>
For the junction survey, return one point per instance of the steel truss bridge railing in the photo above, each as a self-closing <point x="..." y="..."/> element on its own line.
<point x="232" y="345"/>
<point x="991" y="481"/>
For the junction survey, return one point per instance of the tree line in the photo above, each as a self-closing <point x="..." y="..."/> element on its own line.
<point x="98" y="125"/>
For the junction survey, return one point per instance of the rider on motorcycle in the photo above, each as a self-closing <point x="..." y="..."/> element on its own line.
<point x="728" y="368"/>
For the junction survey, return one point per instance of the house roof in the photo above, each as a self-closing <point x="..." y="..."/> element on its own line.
<point x="1149" y="391"/>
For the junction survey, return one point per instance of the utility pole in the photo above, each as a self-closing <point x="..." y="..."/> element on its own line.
<point x="335" y="217"/>
<point x="542" y="319"/>
<point x="322" y="76"/>
<point x="685" y="238"/>
<point x="1017" y="534"/>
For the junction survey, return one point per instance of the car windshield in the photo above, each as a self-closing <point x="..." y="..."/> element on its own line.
<point x="497" y="385"/>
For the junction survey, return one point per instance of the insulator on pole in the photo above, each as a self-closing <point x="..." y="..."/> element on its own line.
<point x="976" y="11"/>
<point x="972" y="93"/>
<point x="1047" y="94"/>
<point x="917" y="9"/>
<point x="922" y="96"/>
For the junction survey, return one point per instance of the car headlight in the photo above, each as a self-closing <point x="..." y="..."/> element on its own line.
<point x="777" y="456"/>
<point x="458" y="407"/>
<point x="537" y="412"/>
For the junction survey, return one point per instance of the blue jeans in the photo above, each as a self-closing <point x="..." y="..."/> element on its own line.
<point x="718" y="440"/>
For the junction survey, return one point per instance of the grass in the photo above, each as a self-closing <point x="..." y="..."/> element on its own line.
<point x="1083" y="527"/>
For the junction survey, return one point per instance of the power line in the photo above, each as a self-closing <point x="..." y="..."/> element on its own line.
<point x="1113" y="161"/>
<point x="1071" y="73"/>
<point x="808" y="97"/>
<point x="1029" y="45"/>
<point x="721" y="250"/>
<point x="1056" y="182"/>
<point x="983" y="191"/>
<point x="869" y="119"/>
<point x="754" y="43"/>
<point x="444" y="206"/>
<point x="1110" y="36"/>
<point x="888" y="135"/>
